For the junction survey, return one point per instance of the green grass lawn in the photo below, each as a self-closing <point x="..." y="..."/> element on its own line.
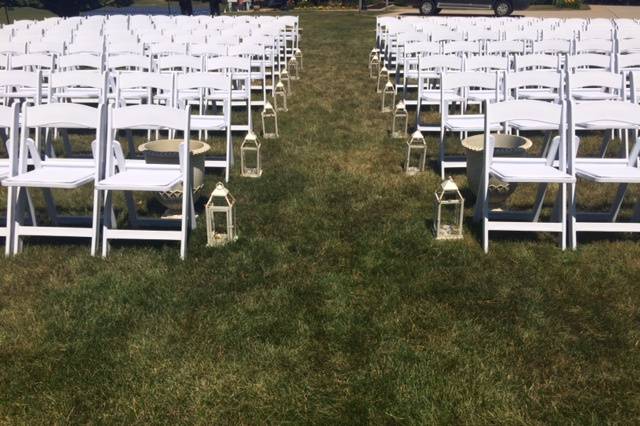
<point x="335" y="306"/>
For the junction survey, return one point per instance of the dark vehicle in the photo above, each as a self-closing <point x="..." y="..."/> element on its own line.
<point x="500" y="7"/>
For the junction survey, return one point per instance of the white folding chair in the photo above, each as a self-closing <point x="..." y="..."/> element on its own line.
<point x="461" y="123"/>
<point x="55" y="173"/>
<point x="619" y="171"/>
<point x="539" y="170"/>
<point x="134" y="175"/>
<point x="9" y="119"/>
<point x="218" y="87"/>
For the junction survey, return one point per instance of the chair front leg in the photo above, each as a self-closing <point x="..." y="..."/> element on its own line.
<point x="11" y="226"/>
<point x="95" y="221"/>
<point x="108" y="221"/>
<point x="572" y="234"/>
<point x="185" y="218"/>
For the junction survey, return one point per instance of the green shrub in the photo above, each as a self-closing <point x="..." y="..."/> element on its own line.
<point x="569" y="4"/>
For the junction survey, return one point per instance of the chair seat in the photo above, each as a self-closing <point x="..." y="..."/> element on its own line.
<point x="533" y="170"/>
<point x="64" y="176"/>
<point x="143" y="178"/>
<point x="607" y="171"/>
<point x="207" y="122"/>
<point x="467" y="123"/>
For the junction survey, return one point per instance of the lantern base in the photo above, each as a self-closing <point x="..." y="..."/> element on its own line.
<point x="448" y="232"/>
<point x="251" y="172"/>
<point x="220" y="240"/>
<point x="412" y="171"/>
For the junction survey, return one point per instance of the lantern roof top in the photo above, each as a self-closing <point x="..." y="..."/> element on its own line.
<point x="220" y="190"/>
<point x="449" y="185"/>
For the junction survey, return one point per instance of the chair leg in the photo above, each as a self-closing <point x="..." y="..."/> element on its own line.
<point x="573" y="240"/>
<point x="485" y="215"/>
<point x="11" y="205"/>
<point x="107" y="221"/>
<point x="95" y="221"/>
<point x="18" y="219"/>
<point x="563" y="215"/>
<point x="192" y="215"/>
<point x="184" y="221"/>
<point x="441" y="154"/>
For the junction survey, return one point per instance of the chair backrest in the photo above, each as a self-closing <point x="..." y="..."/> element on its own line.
<point x="441" y="63"/>
<point x="596" y="79"/>
<point x="83" y="79"/>
<point x="160" y="82"/>
<point x="460" y="47"/>
<point x="63" y="116"/>
<point x="530" y="79"/>
<point x="125" y="47"/>
<point x="23" y="79"/>
<point x="147" y="117"/>
<point x="228" y="64"/>
<point x="168" y="48"/>
<point x="505" y="47"/>
<point x="487" y="63"/>
<point x="552" y="46"/>
<point x="206" y="49"/>
<point x="628" y="62"/>
<point x="32" y="61"/>
<point x="80" y="61"/>
<point x="590" y="61"/>
<point x="501" y="113"/>
<point x="460" y="80"/>
<point x="178" y="62"/>
<point x="612" y="114"/>
<point x="129" y="62"/>
<point x="50" y="47"/>
<point x="537" y="61"/>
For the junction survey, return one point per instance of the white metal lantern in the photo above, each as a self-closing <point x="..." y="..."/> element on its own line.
<point x="400" y="121"/>
<point x="388" y="97"/>
<point x="416" y="154"/>
<point x="299" y="57"/>
<point x="383" y="79"/>
<point x="269" y="127"/>
<point x="293" y="68"/>
<point x="250" y="164"/>
<point x="374" y="64"/>
<point x="285" y="79"/>
<point x="449" y="206"/>
<point x="221" y="217"/>
<point x="280" y="97"/>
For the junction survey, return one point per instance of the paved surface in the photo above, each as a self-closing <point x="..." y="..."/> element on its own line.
<point x="596" y="11"/>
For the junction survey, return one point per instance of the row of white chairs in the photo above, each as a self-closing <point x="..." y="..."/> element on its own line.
<point x="107" y="172"/>
<point x="564" y="165"/>
<point x="434" y="38"/>
<point x="257" y="69"/>
<point x="203" y="91"/>
<point x="468" y="88"/>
